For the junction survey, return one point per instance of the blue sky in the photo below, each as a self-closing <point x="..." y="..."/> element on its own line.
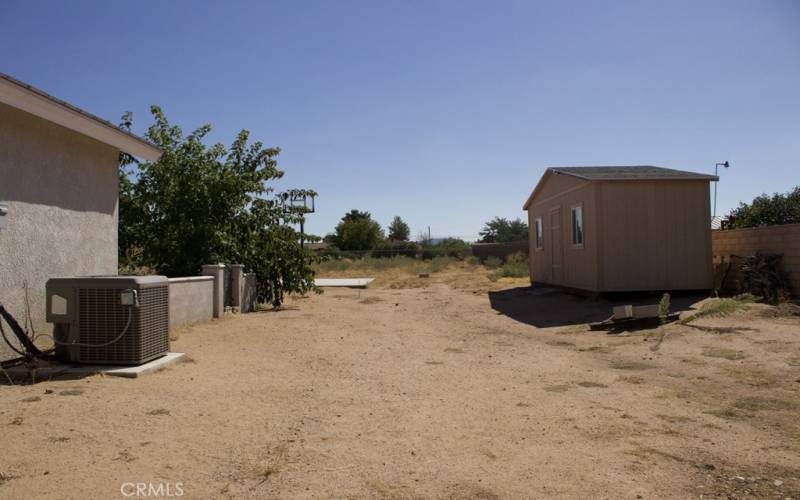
<point x="443" y="112"/>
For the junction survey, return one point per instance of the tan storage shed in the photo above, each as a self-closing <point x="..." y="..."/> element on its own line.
<point x="621" y="229"/>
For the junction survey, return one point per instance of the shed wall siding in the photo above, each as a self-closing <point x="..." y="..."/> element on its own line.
<point x="578" y="265"/>
<point x="61" y="188"/>
<point x="656" y="235"/>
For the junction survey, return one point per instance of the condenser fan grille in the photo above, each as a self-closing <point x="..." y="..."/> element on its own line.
<point x="101" y="318"/>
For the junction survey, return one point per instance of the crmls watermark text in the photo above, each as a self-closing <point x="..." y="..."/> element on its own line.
<point x="151" y="490"/>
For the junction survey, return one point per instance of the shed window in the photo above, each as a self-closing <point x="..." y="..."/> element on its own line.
<point x="537" y="225"/>
<point x="577" y="225"/>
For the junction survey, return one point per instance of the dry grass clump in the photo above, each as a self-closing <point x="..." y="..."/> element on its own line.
<point x="719" y="308"/>
<point x="557" y="388"/>
<point x="592" y="385"/>
<point x="377" y="264"/>
<point x="4" y="478"/>
<point x="370" y="263"/>
<point x="407" y="272"/>
<point x="760" y="404"/>
<point x="724" y="353"/>
<point x="782" y="310"/>
<point x="515" y="266"/>
<point x="629" y="365"/>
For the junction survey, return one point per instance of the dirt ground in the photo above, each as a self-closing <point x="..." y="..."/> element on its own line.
<point x="440" y="387"/>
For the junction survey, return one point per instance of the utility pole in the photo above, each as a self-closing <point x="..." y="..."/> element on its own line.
<point x="429" y="234"/>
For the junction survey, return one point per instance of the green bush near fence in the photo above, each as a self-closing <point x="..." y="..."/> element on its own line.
<point x="516" y="266"/>
<point x="492" y="262"/>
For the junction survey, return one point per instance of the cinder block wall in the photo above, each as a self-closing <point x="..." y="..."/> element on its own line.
<point x="784" y="239"/>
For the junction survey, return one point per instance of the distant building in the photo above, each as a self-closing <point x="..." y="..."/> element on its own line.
<point x="58" y="190"/>
<point x="613" y="229"/>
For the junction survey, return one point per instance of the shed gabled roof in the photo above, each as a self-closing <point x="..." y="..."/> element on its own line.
<point x="27" y="98"/>
<point x="620" y="173"/>
<point x="631" y="173"/>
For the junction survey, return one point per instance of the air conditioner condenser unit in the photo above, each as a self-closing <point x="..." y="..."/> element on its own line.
<point x="119" y="320"/>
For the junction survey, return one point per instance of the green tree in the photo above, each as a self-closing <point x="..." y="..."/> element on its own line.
<point x="765" y="210"/>
<point x="399" y="230"/>
<point x="501" y="230"/>
<point x="199" y="205"/>
<point x="357" y="231"/>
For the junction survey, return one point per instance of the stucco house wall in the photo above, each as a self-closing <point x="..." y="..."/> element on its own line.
<point x="61" y="190"/>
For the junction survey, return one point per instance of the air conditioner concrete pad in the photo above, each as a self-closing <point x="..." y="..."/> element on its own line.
<point x="55" y="369"/>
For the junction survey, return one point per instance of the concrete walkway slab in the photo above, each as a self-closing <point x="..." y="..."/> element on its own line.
<point x="344" y="282"/>
<point x="55" y="369"/>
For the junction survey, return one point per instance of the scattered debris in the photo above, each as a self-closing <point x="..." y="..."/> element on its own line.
<point x="592" y="384"/>
<point x="629" y="365"/>
<point x="4" y="478"/>
<point x="724" y="353"/>
<point x="71" y="392"/>
<point x="763" y="276"/>
<point x="629" y="317"/>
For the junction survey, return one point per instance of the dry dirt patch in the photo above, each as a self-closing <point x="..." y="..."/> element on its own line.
<point x="432" y="392"/>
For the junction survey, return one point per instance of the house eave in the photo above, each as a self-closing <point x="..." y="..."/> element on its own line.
<point x="24" y="97"/>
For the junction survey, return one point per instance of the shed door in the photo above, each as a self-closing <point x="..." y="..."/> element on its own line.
<point x="556" y="253"/>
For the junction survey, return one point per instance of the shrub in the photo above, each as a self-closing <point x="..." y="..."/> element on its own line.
<point x="440" y="263"/>
<point x="199" y="204"/>
<point x="396" y="248"/>
<point x="515" y="270"/>
<point x="398" y="229"/>
<point x="358" y="231"/>
<point x="663" y="308"/>
<point x="768" y="210"/>
<point x="511" y="270"/>
<point x="762" y="276"/>
<point x="499" y="230"/>
<point x="449" y="247"/>
<point x="492" y="262"/>
<point x="455" y="247"/>
<point x="721" y="307"/>
<point x="517" y="257"/>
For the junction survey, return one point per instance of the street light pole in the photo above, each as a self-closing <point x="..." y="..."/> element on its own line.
<point x="716" y="174"/>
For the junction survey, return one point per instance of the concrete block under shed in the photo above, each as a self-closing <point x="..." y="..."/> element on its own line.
<point x="631" y="311"/>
